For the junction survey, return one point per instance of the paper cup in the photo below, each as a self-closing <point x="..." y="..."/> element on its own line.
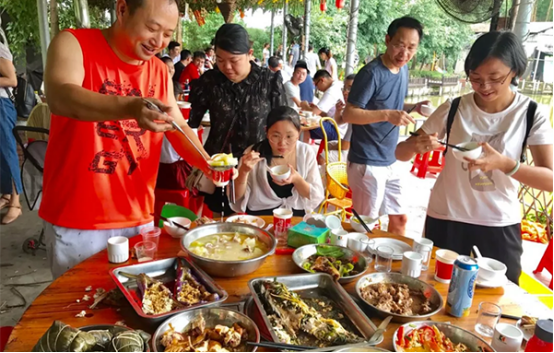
<point x="339" y="237"/>
<point x="118" y="250"/>
<point x="281" y="220"/>
<point x="444" y="265"/>
<point x="411" y="264"/>
<point x="507" y="338"/>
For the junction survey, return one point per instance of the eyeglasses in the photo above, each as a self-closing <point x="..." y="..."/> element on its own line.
<point x="287" y="140"/>
<point x="346" y="89"/>
<point x="402" y="47"/>
<point x="491" y="83"/>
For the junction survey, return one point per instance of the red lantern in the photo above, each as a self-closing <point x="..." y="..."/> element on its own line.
<point x="323" y="5"/>
<point x="199" y="18"/>
<point x="339" y="4"/>
<point x="241" y="11"/>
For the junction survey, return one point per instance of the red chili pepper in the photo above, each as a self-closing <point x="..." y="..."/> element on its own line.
<point x="400" y="337"/>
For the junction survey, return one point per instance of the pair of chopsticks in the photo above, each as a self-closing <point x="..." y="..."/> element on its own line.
<point x="394" y="127"/>
<point x="280" y="346"/>
<point x="361" y="221"/>
<point x="463" y="149"/>
<point x="171" y="222"/>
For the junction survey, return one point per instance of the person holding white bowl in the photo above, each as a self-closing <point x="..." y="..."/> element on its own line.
<point x="475" y="201"/>
<point x="294" y="180"/>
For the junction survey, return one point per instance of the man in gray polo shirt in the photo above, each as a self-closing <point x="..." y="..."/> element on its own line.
<point x="375" y="109"/>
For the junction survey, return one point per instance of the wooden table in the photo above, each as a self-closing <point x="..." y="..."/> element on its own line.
<point x="58" y="301"/>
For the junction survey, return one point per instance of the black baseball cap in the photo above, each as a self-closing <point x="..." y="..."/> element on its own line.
<point x="300" y="64"/>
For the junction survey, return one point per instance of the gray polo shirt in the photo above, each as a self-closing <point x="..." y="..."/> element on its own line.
<point x="377" y="88"/>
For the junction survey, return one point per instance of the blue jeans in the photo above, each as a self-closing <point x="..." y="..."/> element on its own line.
<point x="9" y="160"/>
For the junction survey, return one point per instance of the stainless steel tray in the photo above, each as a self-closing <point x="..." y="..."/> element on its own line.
<point x="313" y="285"/>
<point x="157" y="269"/>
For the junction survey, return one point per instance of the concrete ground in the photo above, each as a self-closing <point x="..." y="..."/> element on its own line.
<point x="19" y="271"/>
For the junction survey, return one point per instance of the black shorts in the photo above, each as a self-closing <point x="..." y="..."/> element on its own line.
<point x="501" y="243"/>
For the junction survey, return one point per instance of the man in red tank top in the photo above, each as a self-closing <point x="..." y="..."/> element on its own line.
<point x="104" y="148"/>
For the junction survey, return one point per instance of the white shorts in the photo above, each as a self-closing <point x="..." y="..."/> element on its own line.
<point x="376" y="191"/>
<point x="66" y="247"/>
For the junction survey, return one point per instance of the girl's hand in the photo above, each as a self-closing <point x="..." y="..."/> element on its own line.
<point x="491" y="159"/>
<point x="249" y="161"/>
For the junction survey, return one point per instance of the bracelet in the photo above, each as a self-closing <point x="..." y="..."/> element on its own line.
<point x="513" y="171"/>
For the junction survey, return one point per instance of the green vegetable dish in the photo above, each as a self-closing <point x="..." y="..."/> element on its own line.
<point x="331" y="260"/>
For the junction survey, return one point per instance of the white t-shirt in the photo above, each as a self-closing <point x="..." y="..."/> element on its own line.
<point x="486" y="199"/>
<point x="168" y="155"/>
<point x="292" y="91"/>
<point x="329" y="101"/>
<point x="331" y="65"/>
<point x="312" y="61"/>
<point x="5" y="54"/>
<point x="266" y="56"/>
<point x="286" y="75"/>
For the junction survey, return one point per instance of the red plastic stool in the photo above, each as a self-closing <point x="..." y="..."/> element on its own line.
<point x="546" y="262"/>
<point x="5" y="332"/>
<point x="177" y="197"/>
<point x="429" y="162"/>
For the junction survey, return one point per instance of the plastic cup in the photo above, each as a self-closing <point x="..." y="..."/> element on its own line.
<point x="145" y="251"/>
<point x="444" y="265"/>
<point x="383" y="258"/>
<point x="489" y="314"/>
<point x="281" y="223"/>
<point x="151" y="234"/>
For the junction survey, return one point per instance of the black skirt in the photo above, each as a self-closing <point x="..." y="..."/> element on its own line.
<point x="500" y="243"/>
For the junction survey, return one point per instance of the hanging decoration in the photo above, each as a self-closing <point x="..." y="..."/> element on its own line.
<point x="241" y="13"/>
<point x="323" y="5"/>
<point x="199" y="18"/>
<point x="217" y="10"/>
<point x="339" y="4"/>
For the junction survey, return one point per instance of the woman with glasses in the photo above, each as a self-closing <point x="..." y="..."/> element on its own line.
<point x="475" y="202"/>
<point x="256" y="192"/>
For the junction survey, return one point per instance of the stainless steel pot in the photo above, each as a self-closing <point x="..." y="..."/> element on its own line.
<point x="218" y="268"/>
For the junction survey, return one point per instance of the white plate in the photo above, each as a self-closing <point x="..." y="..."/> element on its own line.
<point x="398" y="246"/>
<point x="526" y="334"/>
<point x="479" y="282"/>
<point x="246" y="219"/>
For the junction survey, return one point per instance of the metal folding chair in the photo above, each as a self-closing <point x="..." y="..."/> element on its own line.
<point x="31" y="176"/>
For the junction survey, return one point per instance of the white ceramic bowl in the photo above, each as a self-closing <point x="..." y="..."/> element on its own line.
<point x="280" y="172"/>
<point x="474" y="151"/>
<point x="358" y="227"/>
<point x="175" y="231"/>
<point x="246" y="219"/>
<point x="491" y="269"/>
<point x="427" y="109"/>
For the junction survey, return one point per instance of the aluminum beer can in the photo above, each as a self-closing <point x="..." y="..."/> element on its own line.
<point x="462" y="286"/>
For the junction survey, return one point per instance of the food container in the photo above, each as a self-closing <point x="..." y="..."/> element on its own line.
<point x="428" y="291"/>
<point x="304" y="233"/>
<point x="175" y="231"/>
<point x="247" y="219"/>
<point x="164" y="271"/>
<point x="358" y="227"/>
<point x="491" y="269"/>
<point x="212" y="317"/>
<point x="280" y="172"/>
<point x="454" y="333"/>
<point x="301" y="254"/>
<point x="314" y="285"/>
<point x="220" y="268"/>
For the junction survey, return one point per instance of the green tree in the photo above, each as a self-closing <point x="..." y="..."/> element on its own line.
<point x="544" y="10"/>
<point x="22" y="30"/>
<point x="328" y="29"/>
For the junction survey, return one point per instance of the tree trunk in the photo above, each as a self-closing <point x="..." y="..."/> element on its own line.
<point x="414" y="62"/>
<point x="179" y="30"/>
<point x="54" y="19"/>
<point x="513" y="14"/>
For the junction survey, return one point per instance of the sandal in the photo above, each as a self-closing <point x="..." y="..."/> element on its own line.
<point x="4" y="204"/>
<point x="6" y="220"/>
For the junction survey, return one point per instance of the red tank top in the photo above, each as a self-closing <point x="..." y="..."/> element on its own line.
<point x="101" y="175"/>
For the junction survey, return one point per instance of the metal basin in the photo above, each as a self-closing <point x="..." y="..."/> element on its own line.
<point x="212" y="316"/>
<point x="413" y="283"/>
<point x="454" y="333"/>
<point x="220" y="268"/>
<point x="302" y="254"/>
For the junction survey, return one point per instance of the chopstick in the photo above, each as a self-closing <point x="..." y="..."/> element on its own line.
<point x="232" y="198"/>
<point x="174" y="223"/>
<point x="388" y="133"/>
<point x="510" y="317"/>
<point x="361" y="221"/>
<point x="463" y="149"/>
<point x="153" y="106"/>
<point x="274" y="345"/>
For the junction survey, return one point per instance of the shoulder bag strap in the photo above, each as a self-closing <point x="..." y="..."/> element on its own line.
<point x="450" y="119"/>
<point x="531" y="110"/>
